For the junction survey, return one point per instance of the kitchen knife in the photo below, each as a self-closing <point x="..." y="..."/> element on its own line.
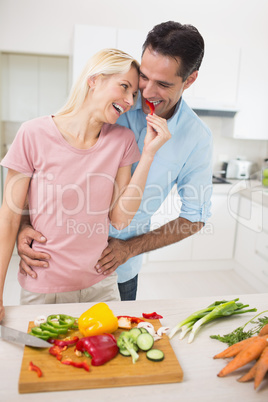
<point x="13" y="335"/>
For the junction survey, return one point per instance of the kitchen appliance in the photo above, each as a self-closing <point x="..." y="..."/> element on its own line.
<point x="240" y="169"/>
<point x="13" y="335"/>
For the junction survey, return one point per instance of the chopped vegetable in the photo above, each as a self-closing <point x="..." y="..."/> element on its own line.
<point x="218" y="309"/>
<point x="101" y="348"/>
<point x="124" y="323"/>
<point x="239" y="334"/>
<point x="155" y="355"/>
<point x="135" y="320"/>
<point x="99" y="319"/>
<point x="70" y="362"/>
<point x="145" y="341"/>
<point x="42" y="334"/>
<point x="33" y="367"/>
<point x="135" y="332"/>
<point x="61" y="321"/>
<point x="151" y="106"/>
<point x="151" y="316"/>
<point x="64" y="342"/>
<point x="40" y="320"/>
<point x="162" y="330"/>
<point x="127" y="342"/>
<point x="57" y="350"/>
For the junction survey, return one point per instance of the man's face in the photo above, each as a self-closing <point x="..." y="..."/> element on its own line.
<point x="160" y="84"/>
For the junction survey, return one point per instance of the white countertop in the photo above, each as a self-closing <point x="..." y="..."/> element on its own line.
<point x="200" y="381"/>
<point x="252" y="189"/>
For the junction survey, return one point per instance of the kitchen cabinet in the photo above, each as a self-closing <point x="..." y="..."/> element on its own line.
<point x="214" y="242"/>
<point x="251" y="120"/>
<point x="216" y="85"/>
<point x="251" y="252"/>
<point x="32" y="85"/>
<point x="128" y="40"/>
<point x="215" y="88"/>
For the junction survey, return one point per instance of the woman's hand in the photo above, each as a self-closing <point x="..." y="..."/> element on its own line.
<point x="157" y="134"/>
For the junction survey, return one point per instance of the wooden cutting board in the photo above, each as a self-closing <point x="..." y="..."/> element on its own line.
<point x="118" y="372"/>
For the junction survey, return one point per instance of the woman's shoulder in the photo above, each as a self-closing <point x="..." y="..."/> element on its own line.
<point x="37" y="122"/>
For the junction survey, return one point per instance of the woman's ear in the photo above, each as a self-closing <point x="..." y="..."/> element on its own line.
<point x="92" y="81"/>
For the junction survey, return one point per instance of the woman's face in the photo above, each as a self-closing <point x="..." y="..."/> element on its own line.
<point x="115" y="94"/>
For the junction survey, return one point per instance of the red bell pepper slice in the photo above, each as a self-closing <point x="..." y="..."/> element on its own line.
<point x="151" y="106"/>
<point x="33" y="367"/>
<point x="132" y="319"/>
<point x="64" y="342"/>
<point x="57" y="350"/>
<point x="151" y="316"/>
<point x="70" y="362"/>
<point x="101" y="348"/>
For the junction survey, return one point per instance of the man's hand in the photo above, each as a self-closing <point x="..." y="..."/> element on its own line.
<point x="29" y="257"/>
<point x="116" y="253"/>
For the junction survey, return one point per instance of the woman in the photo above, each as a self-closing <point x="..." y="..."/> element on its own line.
<point x="75" y="169"/>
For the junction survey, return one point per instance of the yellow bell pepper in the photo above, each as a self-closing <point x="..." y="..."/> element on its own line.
<point x="97" y="320"/>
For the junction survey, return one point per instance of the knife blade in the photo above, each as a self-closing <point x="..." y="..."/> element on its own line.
<point x="13" y="335"/>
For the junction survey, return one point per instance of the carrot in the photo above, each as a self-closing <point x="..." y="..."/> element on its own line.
<point x="250" y="375"/>
<point x="233" y="350"/>
<point x="262" y="368"/>
<point x="264" y="330"/>
<point x="246" y="355"/>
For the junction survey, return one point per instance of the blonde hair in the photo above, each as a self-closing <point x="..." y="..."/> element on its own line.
<point x="106" y="62"/>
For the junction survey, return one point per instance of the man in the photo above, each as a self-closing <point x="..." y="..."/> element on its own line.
<point x="172" y="55"/>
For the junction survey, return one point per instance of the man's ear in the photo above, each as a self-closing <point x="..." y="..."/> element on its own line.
<point x="190" y="80"/>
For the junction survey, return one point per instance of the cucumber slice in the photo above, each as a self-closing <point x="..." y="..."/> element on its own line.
<point x="145" y="341"/>
<point x="155" y="355"/>
<point x="143" y="330"/>
<point x="135" y="332"/>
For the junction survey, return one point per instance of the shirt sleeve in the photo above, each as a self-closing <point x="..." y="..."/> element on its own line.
<point x="19" y="156"/>
<point x="132" y="153"/>
<point x="195" y="183"/>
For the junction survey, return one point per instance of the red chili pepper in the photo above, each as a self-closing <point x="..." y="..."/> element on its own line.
<point x="57" y="350"/>
<point x="101" y="348"/>
<point x="64" y="342"/>
<point x="132" y="319"/>
<point x="70" y="362"/>
<point x="33" y="367"/>
<point x="151" y="316"/>
<point x="151" y="106"/>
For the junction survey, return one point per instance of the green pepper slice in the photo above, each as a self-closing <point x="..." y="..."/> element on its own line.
<point x="57" y="331"/>
<point x="61" y="321"/>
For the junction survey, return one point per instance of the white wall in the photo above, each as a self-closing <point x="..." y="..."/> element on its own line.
<point x="46" y="26"/>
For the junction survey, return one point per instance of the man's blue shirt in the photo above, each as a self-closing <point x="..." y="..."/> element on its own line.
<point x="185" y="160"/>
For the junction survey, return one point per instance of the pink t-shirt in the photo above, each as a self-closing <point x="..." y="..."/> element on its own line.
<point x="69" y="198"/>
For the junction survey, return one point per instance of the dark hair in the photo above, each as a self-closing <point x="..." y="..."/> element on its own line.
<point x="179" y="41"/>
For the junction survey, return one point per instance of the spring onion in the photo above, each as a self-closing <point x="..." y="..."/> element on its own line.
<point x="218" y="309"/>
